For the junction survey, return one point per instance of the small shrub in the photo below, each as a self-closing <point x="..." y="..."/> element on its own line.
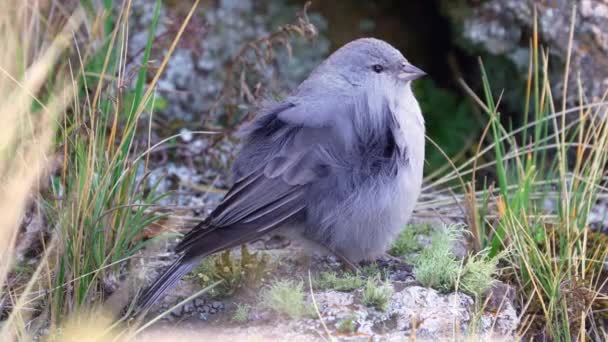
<point x="346" y="282"/>
<point x="377" y="294"/>
<point x="287" y="297"/>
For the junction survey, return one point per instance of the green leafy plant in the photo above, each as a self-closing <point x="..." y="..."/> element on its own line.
<point x="103" y="209"/>
<point x="478" y="274"/>
<point x="438" y="267"/>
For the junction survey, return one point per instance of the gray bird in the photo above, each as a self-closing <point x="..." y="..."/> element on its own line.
<point x="338" y="163"/>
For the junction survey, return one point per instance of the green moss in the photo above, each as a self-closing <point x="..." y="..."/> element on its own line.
<point x="370" y="271"/>
<point x="377" y="293"/>
<point x="407" y="242"/>
<point x="347" y="325"/>
<point x="345" y="282"/>
<point x="241" y="315"/>
<point x="478" y="273"/>
<point x="437" y="266"/>
<point x="246" y="272"/>
<point x="287" y="297"/>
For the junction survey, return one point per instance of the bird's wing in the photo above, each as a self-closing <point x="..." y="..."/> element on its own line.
<point x="277" y="164"/>
<point x="270" y="194"/>
<point x="255" y="205"/>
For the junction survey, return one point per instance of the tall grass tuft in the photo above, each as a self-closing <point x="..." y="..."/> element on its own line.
<point x="72" y="110"/>
<point x="32" y="99"/>
<point x="559" y="156"/>
<point x="101" y="209"/>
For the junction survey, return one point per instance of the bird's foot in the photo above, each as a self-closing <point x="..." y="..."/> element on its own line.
<point x="276" y="242"/>
<point x="393" y="258"/>
<point x="347" y="264"/>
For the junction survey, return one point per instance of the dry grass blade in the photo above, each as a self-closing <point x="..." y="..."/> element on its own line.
<point x="27" y="132"/>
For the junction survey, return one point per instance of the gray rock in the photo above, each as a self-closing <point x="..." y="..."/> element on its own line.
<point x="598" y="217"/>
<point x="217" y="305"/>
<point x="178" y="312"/>
<point x="188" y="307"/>
<point x="497" y="295"/>
<point x="195" y="74"/>
<point x="497" y="27"/>
<point x="434" y="316"/>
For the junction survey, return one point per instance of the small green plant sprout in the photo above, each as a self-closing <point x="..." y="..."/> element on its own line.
<point x="241" y="314"/>
<point x="437" y="266"/>
<point x="247" y="272"/>
<point x="346" y="282"/>
<point x="377" y="293"/>
<point x="407" y="242"/>
<point x="287" y="297"/>
<point x="347" y="325"/>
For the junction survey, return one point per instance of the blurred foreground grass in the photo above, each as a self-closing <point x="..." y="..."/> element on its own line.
<point x="70" y="114"/>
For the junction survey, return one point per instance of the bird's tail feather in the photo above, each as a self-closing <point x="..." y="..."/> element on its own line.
<point x="171" y="276"/>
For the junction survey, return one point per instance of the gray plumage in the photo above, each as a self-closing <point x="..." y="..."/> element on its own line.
<point x="338" y="163"/>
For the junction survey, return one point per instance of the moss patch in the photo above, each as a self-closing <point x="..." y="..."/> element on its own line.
<point x="331" y="281"/>
<point x="287" y="297"/>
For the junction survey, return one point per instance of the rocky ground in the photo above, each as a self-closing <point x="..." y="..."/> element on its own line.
<point x="411" y="310"/>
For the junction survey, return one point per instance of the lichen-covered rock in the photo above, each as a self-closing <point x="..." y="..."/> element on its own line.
<point x="503" y="27"/>
<point x="413" y="311"/>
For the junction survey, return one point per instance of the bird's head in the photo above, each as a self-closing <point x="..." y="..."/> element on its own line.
<point x="369" y="61"/>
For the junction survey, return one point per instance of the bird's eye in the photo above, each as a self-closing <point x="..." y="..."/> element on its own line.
<point x="378" y="68"/>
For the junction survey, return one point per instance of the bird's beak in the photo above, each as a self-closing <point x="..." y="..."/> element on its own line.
<point x="410" y="73"/>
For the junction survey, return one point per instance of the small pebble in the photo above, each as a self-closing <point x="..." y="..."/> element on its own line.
<point x="185" y="134"/>
<point x="177" y="311"/>
<point x="188" y="307"/>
